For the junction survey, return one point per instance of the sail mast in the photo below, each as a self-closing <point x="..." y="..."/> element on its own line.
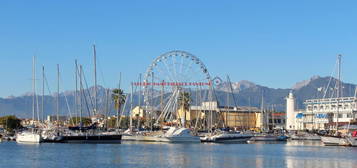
<point x="118" y="101"/>
<point x="76" y="91"/>
<point x="338" y="87"/>
<point x="95" y="80"/>
<point x="80" y="96"/>
<point x="131" y="109"/>
<point x="57" y="108"/>
<point x="33" y="88"/>
<point x="140" y="83"/>
<point x="43" y="91"/>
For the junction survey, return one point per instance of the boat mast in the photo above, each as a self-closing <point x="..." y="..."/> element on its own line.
<point x="43" y="91"/>
<point x="118" y="101"/>
<point x="33" y="88"/>
<point x="95" y="80"/>
<point x="80" y="96"/>
<point x="262" y="116"/>
<point x="57" y="108"/>
<point x="338" y="88"/>
<point x="227" y="104"/>
<point x="140" y="83"/>
<point x="76" y="91"/>
<point x="131" y="109"/>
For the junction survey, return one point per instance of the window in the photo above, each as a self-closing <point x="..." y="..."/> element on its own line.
<point x="340" y="115"/>
<point x="349" y="115"/>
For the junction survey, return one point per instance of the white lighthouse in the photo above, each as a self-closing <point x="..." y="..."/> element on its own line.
<point x="290" y="112"/>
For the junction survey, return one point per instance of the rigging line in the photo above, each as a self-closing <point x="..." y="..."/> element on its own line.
<point x="231" y="90"/>
<point x="328" y="84"/>
<point x="86" y="102"/>
<point x="101" y="71"/>
<point x="48" y="87"/>
<point x="65" y="97"/>
<point x="122" y="111"/>
<point x="88" y="91"/>
<point x="38" y="108"/>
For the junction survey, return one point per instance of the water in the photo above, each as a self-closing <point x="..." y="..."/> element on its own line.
<point x="153" y="155"/>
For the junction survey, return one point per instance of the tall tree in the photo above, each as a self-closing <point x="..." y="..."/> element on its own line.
<point x="118" y="97"/>
<point x="184" y="101"/>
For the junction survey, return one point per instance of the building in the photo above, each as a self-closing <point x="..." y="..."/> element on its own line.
<point x="321" y="114"/>
<point x="233" y="117"/>
<point x="143" y="111"/>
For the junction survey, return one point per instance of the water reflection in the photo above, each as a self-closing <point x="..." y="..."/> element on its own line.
<point x="135" y="154"/>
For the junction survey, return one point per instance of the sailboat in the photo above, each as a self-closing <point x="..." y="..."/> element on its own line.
<point x="336" y="140"/>
<point x="221" y="136"/>
<point x="89" y="134"/>
<point x="30" y="136"/>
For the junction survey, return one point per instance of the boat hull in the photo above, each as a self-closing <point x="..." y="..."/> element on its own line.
<point x="352" y="141"/>
<point x="160" y="139"/>
<point x="28" y="137"/>
<point x="334" y="141"/>
<point x="91" y="139"/>
<point x="306" y="137"/>
<point x="268" y="138"/>
<point x="227" y="138"/>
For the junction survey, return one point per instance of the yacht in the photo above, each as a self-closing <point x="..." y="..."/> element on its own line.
<point x="28" y="137"/>
<point x="334" y="141"/>
<point x="173" y="135"/>
<point x="269" y="138"/>
<point x="222" y="137"/>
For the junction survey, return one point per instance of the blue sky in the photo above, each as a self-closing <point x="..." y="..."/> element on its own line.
<point x="272" y="43"/>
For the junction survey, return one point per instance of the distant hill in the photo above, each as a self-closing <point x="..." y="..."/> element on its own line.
<point x="246" y="93"/>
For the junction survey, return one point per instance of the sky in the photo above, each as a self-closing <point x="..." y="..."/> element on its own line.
<point x="272" y="43"/>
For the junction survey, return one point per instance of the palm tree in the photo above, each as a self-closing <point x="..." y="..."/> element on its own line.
<point x="184" y="100"/>
<point x="119" y="98"/>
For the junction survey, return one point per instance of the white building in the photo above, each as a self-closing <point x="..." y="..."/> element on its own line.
<point x="320" y="114"/>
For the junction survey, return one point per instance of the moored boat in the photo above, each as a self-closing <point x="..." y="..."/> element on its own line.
<point x="334" y="141"/>
<point x="28" y="137"/>
<point x="311" y="137"/>
<point x="269" y="138"/>
<point x="226" y="137"/>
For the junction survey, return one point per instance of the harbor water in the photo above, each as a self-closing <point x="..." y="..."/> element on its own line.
<point x="152" y="155"/>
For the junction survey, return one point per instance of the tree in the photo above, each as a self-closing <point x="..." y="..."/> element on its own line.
<point x="184" y="101"/>
<point x="85" y="121"/>
<point x="118" y="97"/>
<point x="10" y="123"/>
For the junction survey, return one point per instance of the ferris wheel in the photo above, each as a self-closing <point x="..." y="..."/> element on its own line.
<point x="170" y="75"/>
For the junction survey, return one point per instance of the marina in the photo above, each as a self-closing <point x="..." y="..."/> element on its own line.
<point x="178" y="84"/>
<point x="133" y="154"/>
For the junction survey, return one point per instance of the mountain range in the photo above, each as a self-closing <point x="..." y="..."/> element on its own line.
<point x="243" y="93"/>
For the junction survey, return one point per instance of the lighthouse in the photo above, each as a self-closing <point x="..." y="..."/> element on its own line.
<point x="290" y="112"/>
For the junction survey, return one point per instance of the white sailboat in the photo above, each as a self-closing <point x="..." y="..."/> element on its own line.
<point x="30" y="136"/>
<point x="336" y="140"/>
